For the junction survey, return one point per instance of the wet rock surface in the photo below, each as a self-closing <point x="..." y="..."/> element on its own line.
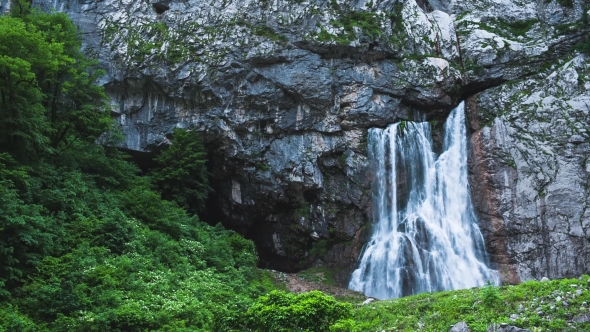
<point x="284" y="92"/>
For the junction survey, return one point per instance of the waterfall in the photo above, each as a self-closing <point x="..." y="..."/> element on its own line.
<point x="425" y="237"/>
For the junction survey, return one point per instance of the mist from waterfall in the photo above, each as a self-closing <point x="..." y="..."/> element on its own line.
<point x="425" y="237"/>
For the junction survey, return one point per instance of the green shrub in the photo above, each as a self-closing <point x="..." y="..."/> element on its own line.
<point x="280" y="311"/>
<point x="14" y="321"/>
<point x="490" y="294"/>
<point x="480" y="307"/>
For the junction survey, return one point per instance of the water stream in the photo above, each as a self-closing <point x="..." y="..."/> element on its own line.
<point x="425" y="236"/>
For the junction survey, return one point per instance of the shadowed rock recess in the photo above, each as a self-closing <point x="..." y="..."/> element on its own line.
<point x="284" y="92"/>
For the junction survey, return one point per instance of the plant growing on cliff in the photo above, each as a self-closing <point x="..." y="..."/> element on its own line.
<point x="398" y="34"/>
<point x="182" y="174"/>
<point x="265" y="31"/>
<point x="367" y="22"/>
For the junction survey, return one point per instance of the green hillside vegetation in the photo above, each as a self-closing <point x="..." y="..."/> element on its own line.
<point x="557" y="305"/>
<point x="86" y="242"/>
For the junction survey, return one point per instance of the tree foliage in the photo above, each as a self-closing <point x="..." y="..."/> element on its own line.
<point x="23" y="53"/>
<point x="48" y="97"/>
<point x="182" y="173"/>
<point x="86" y="244"/>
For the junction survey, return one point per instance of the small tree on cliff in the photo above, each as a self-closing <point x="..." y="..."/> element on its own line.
<point x="182" y="173"/>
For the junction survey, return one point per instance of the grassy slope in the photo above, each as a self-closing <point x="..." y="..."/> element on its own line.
<point x="561" y="302"/>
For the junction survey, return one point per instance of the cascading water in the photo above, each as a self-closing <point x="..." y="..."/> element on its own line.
<point x="426" y="236"/>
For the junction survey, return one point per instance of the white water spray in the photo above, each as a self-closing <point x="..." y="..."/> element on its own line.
<point x="425" y="237"/>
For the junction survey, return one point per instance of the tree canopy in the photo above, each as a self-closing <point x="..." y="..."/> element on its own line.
<point x="86" y="243"/>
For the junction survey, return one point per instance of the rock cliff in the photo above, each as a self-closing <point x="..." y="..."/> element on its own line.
<point x="284" y="91"/>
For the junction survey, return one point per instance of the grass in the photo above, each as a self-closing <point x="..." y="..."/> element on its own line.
<point x="481" y="307"/>
<point x="265" y="280"/>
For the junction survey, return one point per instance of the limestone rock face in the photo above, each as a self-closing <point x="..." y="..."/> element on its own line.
<point x="284" y="92"/>
<point x="531" y="160"/>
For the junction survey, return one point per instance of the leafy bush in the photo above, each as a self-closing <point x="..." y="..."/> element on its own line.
<point x="280" y="311"/>
<point x="490" y="294"/>
<point x="12" y="320"/>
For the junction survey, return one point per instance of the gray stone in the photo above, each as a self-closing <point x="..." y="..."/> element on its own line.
<point x="505" y="328"/>
<point x="581" y="319"/>
<point x="460" y="327"/>
<point x="533" y="190"/>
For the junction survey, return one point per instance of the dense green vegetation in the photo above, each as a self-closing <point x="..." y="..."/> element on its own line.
<point x="181" y="174"/>
<point x="86" y="243"/>
<point x="280" y="311"/>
